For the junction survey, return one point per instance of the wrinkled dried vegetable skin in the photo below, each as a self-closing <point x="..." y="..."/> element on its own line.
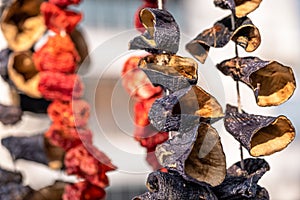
<point x="14" y="191"/>
<point x="172" y="72"/>
<point x="271" y="82"/>
<point x="260" y="135"/>
<point x="245" y="34"/>
<point x="242" y="184"/>
<point x="52" y="192"/>
<point x="184" y="109"/>
<point x="197" y="155"/>
<point x="22" y="25"/>
<point x="10" y="115"/>
<point x="8" y="177"/>
<point x="162" y="32"/>
<point x="171" y="186"/>
<point x="240" y="8"/>
<point x="34" y="148"/>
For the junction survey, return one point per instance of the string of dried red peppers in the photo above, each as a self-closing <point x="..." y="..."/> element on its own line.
<point x="57" y="62"/>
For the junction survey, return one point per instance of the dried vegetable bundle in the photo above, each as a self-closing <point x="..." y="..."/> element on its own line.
<point x="46" y="80"/>
<point x="193" y="155"/>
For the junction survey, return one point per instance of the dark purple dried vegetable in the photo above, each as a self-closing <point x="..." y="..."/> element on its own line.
<point x="33" y="105"/>
<point x="272" y="82"/>
<point x="245" y="34"/>
<point x="242" y="184"/>
<point x="170" y="71"/>
<point x="260" y="135"/>
<point x="4" y="55"/>
<point x="184" y="109"/>
<point x="197" y="155"/>
<point x="14" y="191"/>
<point x="162" y="32"/>
<point x="10" y="114"/>
<point x="241" y="8"/>
<point x="171" y="186"/>
<point x="34" y="148"/>
<point x="52" y="192"/>
<point x="8" y="177"/>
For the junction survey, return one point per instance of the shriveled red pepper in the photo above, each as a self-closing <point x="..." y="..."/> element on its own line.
<point x="136" y="82"/>
<point x="90" y="164"/>
<point x="69" y="113"/>
<point x="59" y="54"/>
<point x="59" y="20"/>
<point x="65" y="3"/>
<point x="68" y="137"/>
<point x="141" y="110"/>
<point x="83" y="191"/>
<point x="59" y="86"/>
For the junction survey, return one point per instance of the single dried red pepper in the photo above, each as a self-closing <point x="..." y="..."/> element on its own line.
<point x="83" y="191"/>
<point x="65" y="3"/>
<point x="59" y="54"/>
<point x="58" y="20"/>
<point x="59" y="86"/>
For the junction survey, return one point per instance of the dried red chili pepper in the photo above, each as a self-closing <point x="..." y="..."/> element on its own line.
<point x="83" y="191"/>
<point x="136" y="82"/>
<point x="57" y="55"/>
<point x="68" y="137"/>
<point x="71" y="113"/>
<point x="65" y="3"/>
<point x="152" y="160"/>
<point x="59" y="86"/>
<point x="141" y="110"/>
<point x="57" y="19"/>
<point x="90" y="165"/>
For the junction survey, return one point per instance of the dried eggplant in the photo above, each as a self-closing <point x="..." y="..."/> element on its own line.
<point x="10" y="115"/>
<point x="172" y="72"/>
<point x="242" y="183"/>
<point x="34" y="148"/>
<point x="240" y="8"/>
<point x="245" y="34"/>
<point x="10" y="177"/>
<point x="171" y="186"/>
<point x="33" y="105"/>
<point x="184" y="109"/>
<point x="22" y="24"/>
<point x="162" y="32"/>
<point x="52" y="192"/>
<point x="14" y="191"/>
<point x="260" y="135"/>
<point x="197" y="155"/>
<point x="272" y="82"/>
<point x="23" y="74"/>
<point x="4" y="55"/>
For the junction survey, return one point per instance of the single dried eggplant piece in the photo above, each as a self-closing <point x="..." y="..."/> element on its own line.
<point x="184" y="109"/>
<point x="10" y="114"/>
<point x="162" y="32"/>
<point x="272" y="82"/>
<point x="171" y="186"/>
<point x="197" y="155"/>
<point x="33" y="105"/>
<point x="52" y="192"/>
<point x="9" y="177"/>
<point x="22" y="24"/>
<point x="34" y="148"/>
<point x="4" y="55"/>
<point x="14" y="191"/>
<point x="23" y="74"/>
<point x="170" y="71"/>
<point x="260" y="135"/>
<point x="240" y="8"/>
<point x="245" y="34"/>
<point x="242" y="183"/>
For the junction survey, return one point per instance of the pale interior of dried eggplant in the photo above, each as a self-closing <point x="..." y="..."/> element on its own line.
<point x="272" y="138"/>
<point x="24" y="65"/>
<point x="243" y="7"/>
<point x="248" y="37"/>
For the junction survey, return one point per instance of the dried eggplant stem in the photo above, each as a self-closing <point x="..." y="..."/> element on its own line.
<point x="271" y="82"/>
<point x="34" y="148"/>
<point x="245" y="34"/>
<point x="242" y="183"/>
<point x="197" y="155"/>
<point x="170" y="71"/>
<point x="184" y="109"/>
<point x="171" y="186"/>
<point x="162" y="32"/>
<point x="260" y="135"/>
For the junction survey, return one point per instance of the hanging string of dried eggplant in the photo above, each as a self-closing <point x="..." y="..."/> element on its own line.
<point x="47" y="80"/>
